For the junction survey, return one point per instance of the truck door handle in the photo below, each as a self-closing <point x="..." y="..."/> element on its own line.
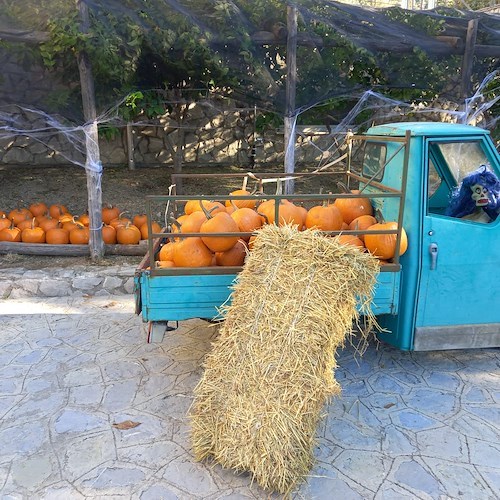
<point x="433" y="250"/>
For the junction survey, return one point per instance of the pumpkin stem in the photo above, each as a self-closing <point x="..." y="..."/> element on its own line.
<point x="208" y="213"/>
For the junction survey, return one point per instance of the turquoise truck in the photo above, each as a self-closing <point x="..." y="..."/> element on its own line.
<point x="442" y="293"/>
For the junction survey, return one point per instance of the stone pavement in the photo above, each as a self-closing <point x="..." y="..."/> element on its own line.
<point x="75" y="369"/>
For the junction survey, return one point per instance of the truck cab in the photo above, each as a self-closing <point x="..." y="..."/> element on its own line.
<point x="450" y="275"/>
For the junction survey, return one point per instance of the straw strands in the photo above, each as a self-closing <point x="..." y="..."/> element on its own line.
<point x="271" y="370"/>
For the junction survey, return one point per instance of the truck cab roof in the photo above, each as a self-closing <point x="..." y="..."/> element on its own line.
<point x="425" y="129"/>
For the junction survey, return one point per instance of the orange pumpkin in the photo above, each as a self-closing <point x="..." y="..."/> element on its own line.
<point x="145" y="231"/>
<point x="288" y="213"/>
<point x="233" y="257"/>
<point x="47" y="223"/>
<point x="167" y="252"/>
<point x="57" y="236"/>
<point x="108" y="234"/>
<point x="139" y="219"/>
<point x="79" y="235"/>
<point x="4" y="222"/>
<point x="241" y="203"/>
<point x="248" y="221"/>
<point x="324" y="217"/>
<point x="221" y="222"/>
<point x="128" y="234"/>
<point x="193" y="222"/>
<point x="384" y="245"/>
<point x="164" y="264"/>
<point x="110" y="212"/>
<point x="57" y="210"/>
<point x="353" y="207"/>
<point x="11" y="234"/>
<point x="350" y="239"/>
<point x="27" y="223"/>
<point x="197" y="205"/>
<point x="119" y="221"/>
<point x="19" y="214"/>
<point x="33" y="234"/>
<point x="84" y="219"/>
<point x="38" y="208"/>
<point x="192" y="252"/>
<point x="362" y="223"/>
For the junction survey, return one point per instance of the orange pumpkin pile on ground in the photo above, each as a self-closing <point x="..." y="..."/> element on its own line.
<point x="226" y="230"/>
<point x="55" y="225"/>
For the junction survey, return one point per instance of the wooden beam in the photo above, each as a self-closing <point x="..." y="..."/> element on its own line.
<point x="93" y="165"/>
<point x="291" y="83"/>
<point x="23" y="36"/>
<point x="470" y="42"/>
<point x="70" y="250"/>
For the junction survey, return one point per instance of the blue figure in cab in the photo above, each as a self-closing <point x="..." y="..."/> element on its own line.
<point x="477" y="197"/>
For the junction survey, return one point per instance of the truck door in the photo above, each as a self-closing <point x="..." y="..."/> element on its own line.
<point x="458" y="303"/>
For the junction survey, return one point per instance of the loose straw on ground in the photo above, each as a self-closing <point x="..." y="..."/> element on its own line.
<point x="271" y="370"/>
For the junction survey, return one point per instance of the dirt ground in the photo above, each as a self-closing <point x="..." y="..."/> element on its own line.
<point x="127" y="189"/>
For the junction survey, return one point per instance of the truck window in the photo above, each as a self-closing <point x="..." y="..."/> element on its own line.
<point x="449" y="163"/>
<point x="374" y="158"/>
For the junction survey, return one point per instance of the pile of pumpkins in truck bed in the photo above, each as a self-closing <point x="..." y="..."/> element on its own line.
<point x="55" y="225"/>
<point x="247" y="216"/>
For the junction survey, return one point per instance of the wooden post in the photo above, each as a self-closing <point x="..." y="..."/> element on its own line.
<point x="130" y="147"/>
<point x="470" y="42"/>
<point x="93" y="165"/>
<point x="291" y="79"/>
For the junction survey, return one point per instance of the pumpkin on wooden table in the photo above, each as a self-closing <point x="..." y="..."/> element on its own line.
<point x="128" y="234"/>
<point x="10" y="234"/>
<point x="84" y="219"/>
<point x="121" y="220"/>
<point x="79" y="235"/>
<point x="47" y="223"/>
<point x="57" y="236"/>
<point x="4" y="221"/>
<point x="108" y="234"/>
<point x="27" y="223"/>
<point x="38" y="208"/>
<point x="57" y="210"/>
<point x="33" y="234"/>
<point x="383" y="246"/>
<point x="109" y="212"/>
<point x="145" y="230"/>
<point x="19" y="214"/>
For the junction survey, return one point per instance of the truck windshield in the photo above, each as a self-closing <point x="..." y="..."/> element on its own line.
<point x="461" y="158"/>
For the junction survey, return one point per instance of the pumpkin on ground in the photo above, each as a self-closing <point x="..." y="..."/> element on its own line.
<point x="353" y="207"/>
<point x="383" y="246"/>
<point x="192" y="252"/>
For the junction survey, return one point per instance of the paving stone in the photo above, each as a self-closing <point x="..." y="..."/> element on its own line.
<point x="445" y="381"/>
<point x="444" y="443"/>
<point x="54" y="288"/>
<point x="33" y="471"/>
<point x="114" y="478"/>
<point x="5" y="288"/>
<point x="411" y="474"/>
<point x="71" y="420"/>
<point x="190" y="476"/>
<point x="431" y="401"/>
<point x="396" y="442"/>
<point x="157" y="491"/>
<point x="324" y="483"/>
<point x="483" y="453"/>
<point x="112" y="282"/>
<point x="86" y="282"/>
<point x="413" y="420"/>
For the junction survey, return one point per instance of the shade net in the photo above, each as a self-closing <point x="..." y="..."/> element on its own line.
<point x="354" y="65"/>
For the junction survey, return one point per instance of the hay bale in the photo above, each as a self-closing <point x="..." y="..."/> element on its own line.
<point x="271" y="370"/>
